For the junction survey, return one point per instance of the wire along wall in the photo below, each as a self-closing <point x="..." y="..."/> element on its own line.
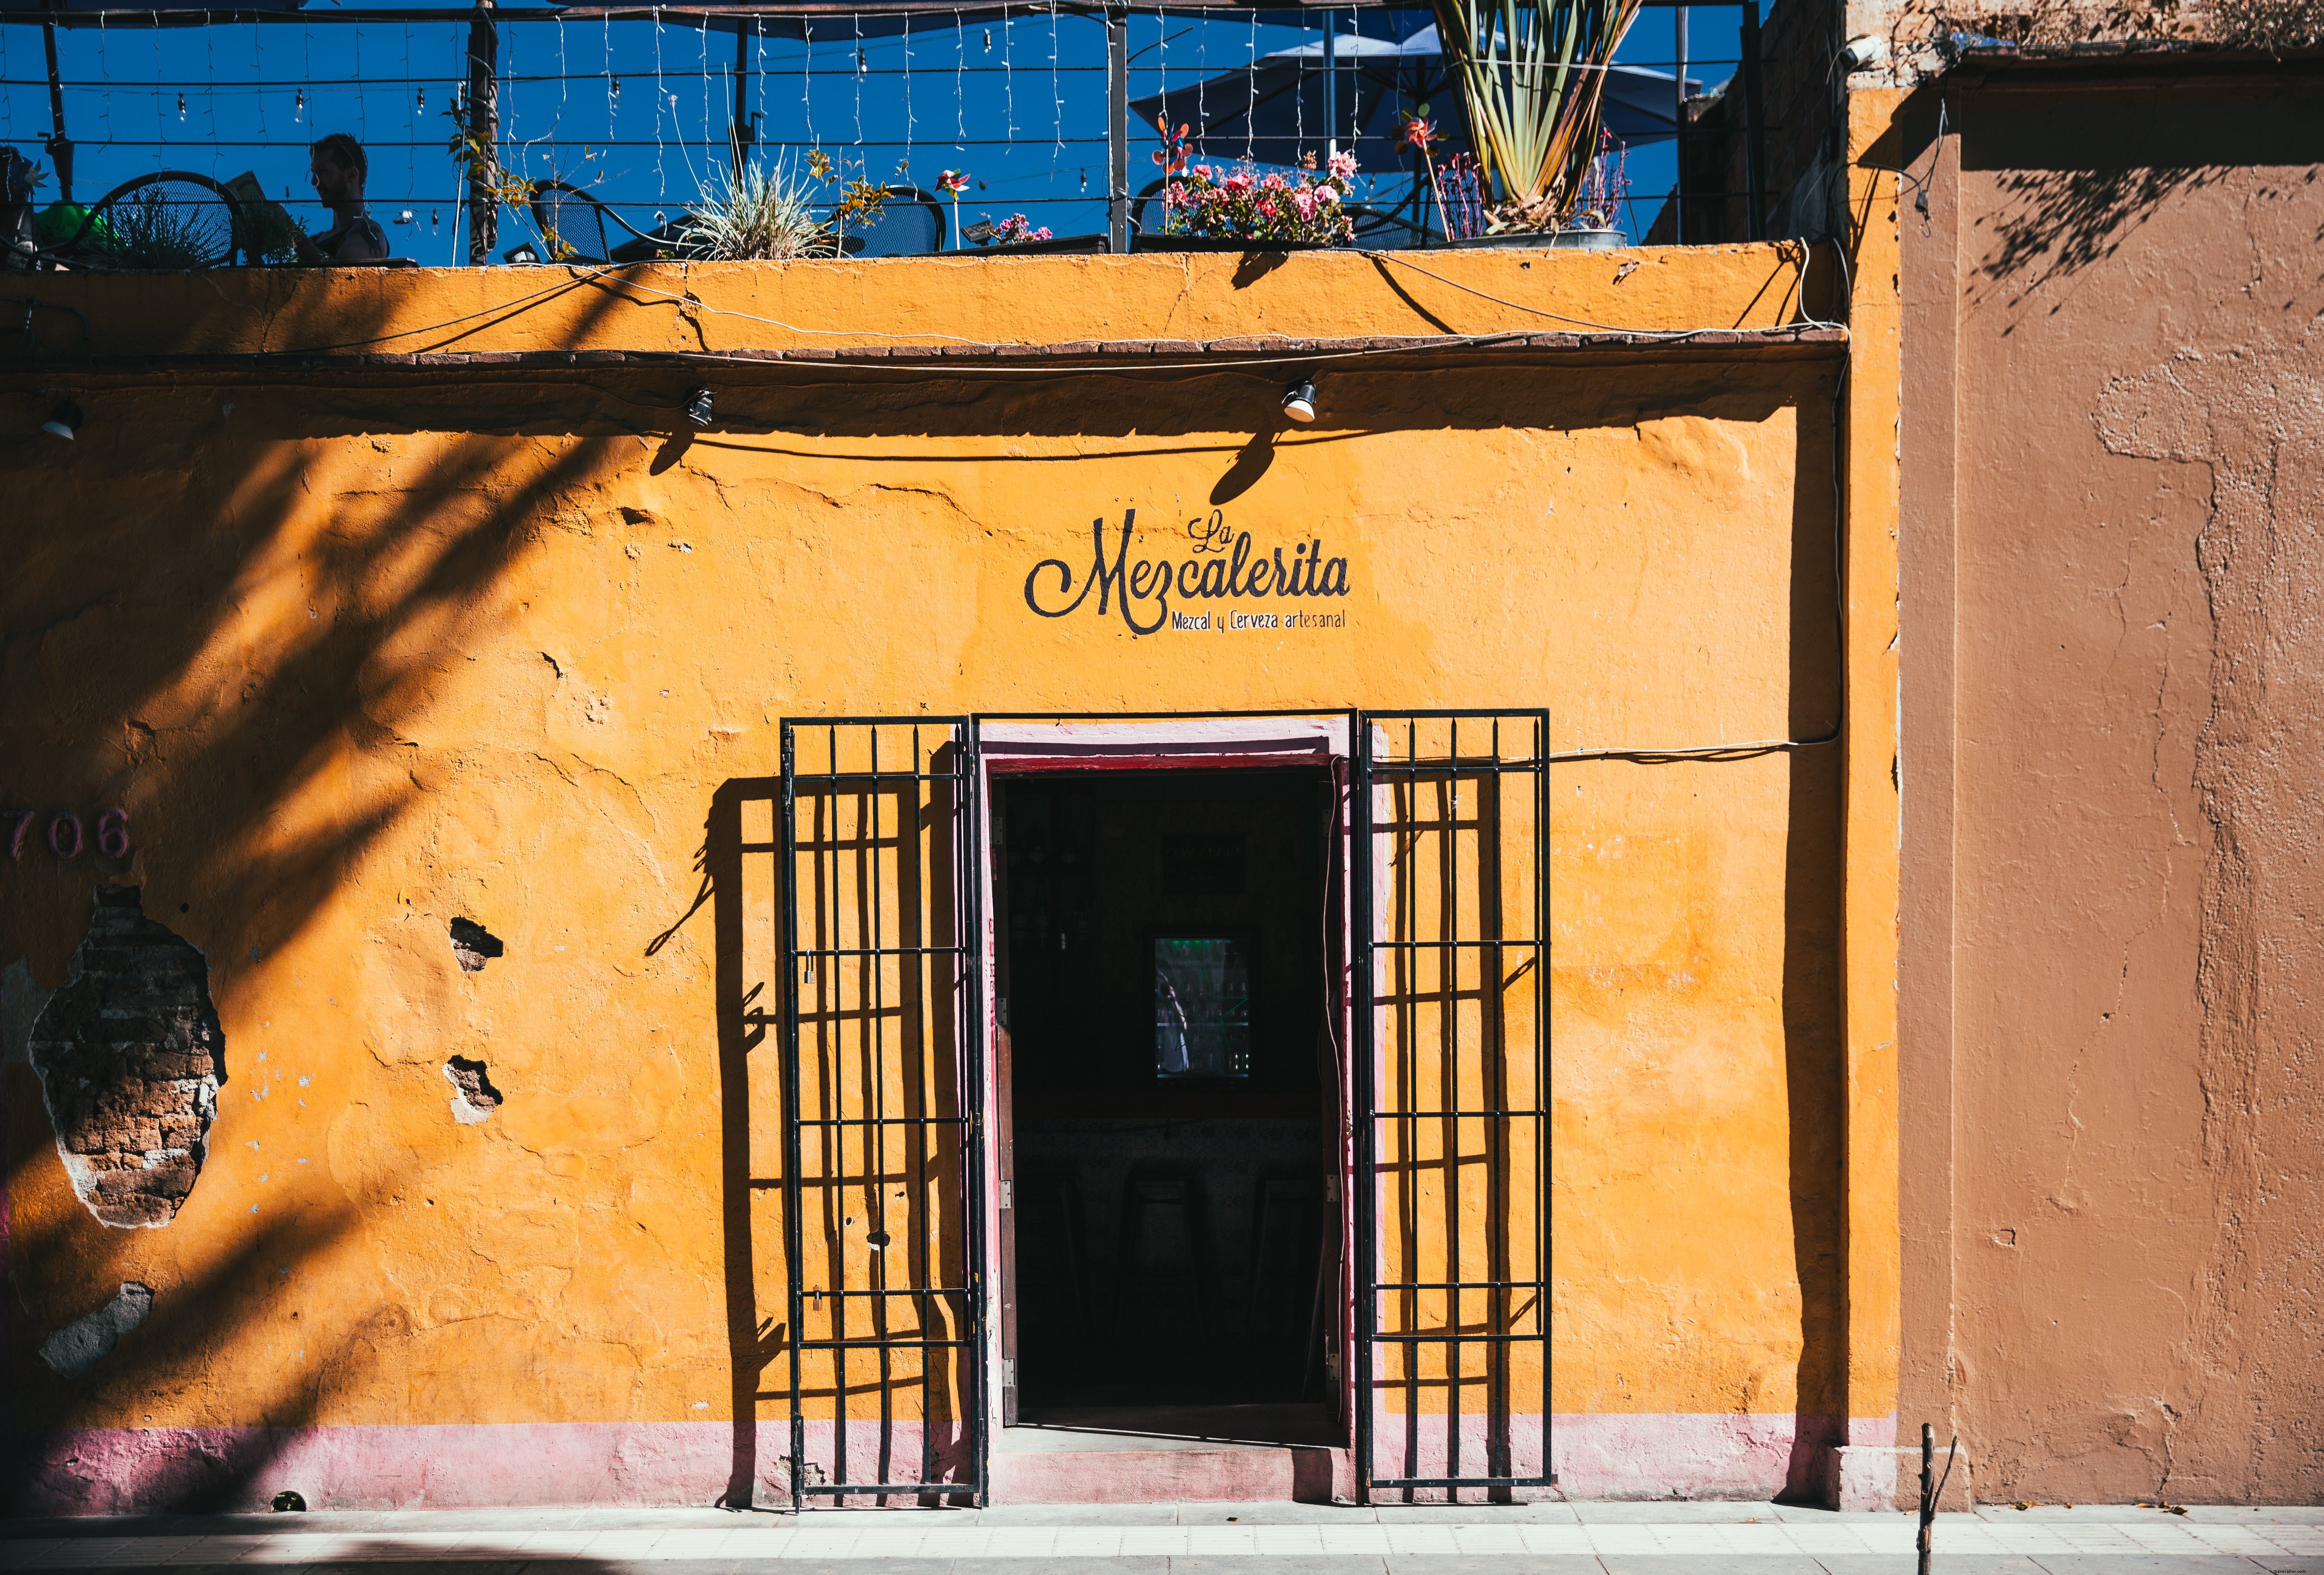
<point x="642" y="109"/>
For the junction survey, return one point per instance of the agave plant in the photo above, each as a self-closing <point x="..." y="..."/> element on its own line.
<point x="760" y="214"/>
<point x="1533" y="77"/>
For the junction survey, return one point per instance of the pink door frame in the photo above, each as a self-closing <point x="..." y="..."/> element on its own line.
<point x="1017" y="747"/>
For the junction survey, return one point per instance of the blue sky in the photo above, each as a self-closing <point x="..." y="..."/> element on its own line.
<point x="639" y="114"/>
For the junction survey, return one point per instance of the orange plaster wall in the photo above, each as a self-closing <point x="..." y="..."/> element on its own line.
<point x="361" y="659"/>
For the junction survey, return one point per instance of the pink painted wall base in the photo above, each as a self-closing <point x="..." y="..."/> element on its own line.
<point x="124" y="1470"/>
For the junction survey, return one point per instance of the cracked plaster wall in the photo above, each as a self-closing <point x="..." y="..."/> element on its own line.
<point x="2115" y="649"/>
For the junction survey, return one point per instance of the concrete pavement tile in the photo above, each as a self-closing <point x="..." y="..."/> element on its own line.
<point x="1279" y="1564"/>
<point x="2145" y="1564"/>
<point x="2283" y="1514"/>
<point x="1654" y="1511"/>
<point x="1196" y="1514"/>
<point x="1698" y="1564"/>
<point x="1495" y="1564"/>
<point x="1136" y="1565"/>
<point x="1942" y="1565"/>
<point x="1079" y="1514"/>
<point x="2286" y="1564"/>
<point x="1550" y="1512"/>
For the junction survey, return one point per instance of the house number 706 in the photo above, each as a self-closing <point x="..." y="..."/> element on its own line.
<point x="67" y="839"/>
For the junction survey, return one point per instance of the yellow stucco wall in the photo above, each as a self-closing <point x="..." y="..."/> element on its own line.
<point x="361" y="657"/>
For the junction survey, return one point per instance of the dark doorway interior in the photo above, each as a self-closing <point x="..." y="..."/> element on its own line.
<point x="1163" y="968"/>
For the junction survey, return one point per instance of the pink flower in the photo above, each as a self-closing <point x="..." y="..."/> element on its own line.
<point x="1304" y="201"/>
<point x="1239" y="182"/>
<point x="1273" y="183"/>
<point x="1267" y="209"/>
<point x="1327" y="194"/>
<point x="1344" y="165"/>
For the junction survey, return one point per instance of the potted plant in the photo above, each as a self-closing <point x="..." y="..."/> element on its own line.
<point x="758" y="214"/>
<point x="1215" y="208"/>
<point x="1531" y="75"/>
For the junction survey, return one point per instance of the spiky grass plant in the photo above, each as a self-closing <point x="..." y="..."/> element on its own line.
<point x="759" y="214"/>
<point x="151" y="230"/>
<point x="1533" y="80"/>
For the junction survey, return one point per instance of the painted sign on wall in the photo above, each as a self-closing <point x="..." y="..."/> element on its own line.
<point x="1221" y="563"/>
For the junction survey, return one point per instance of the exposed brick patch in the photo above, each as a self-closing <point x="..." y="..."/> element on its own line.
<point x="474" y="1097"/>
<point x="474" y="945"/>
<point x="130" y="1057"/>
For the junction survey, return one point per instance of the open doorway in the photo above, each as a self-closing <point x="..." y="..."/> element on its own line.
<point x="1164" y="963"/>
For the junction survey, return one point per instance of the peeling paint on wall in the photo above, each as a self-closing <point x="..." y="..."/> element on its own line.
<point x="474" y="1097"/>
<point x="84" y="1342"/>
<point x="474" y="945"/>
<point x="130" y="1057"/>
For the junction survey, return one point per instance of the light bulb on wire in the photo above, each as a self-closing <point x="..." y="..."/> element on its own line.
<point x="181" y="108"/>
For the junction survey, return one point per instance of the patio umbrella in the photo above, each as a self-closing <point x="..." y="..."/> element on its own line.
<point x="1287" y="105"/>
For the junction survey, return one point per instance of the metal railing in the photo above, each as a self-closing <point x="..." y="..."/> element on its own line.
<point x="1045" y="108"/>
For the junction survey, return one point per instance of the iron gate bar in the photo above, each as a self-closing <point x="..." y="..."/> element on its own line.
<point x="964" y="998"/>
<point x="1368" y="948"/>
<point x="888" y="1121"/>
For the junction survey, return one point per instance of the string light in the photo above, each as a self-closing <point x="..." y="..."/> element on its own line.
<point x="298" y="108"/>
<point x="411" y="122"/>
<point x="661" y="178"/>
<point x="1250" y="114"/>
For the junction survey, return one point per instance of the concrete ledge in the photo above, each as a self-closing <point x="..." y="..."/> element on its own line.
<point x="1233" y="1476"/>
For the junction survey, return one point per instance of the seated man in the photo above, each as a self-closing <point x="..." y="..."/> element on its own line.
<point x="336" y="167"/>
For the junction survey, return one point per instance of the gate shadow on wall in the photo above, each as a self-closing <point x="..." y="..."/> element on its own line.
<point x="1460" y="1382"/>
<point x="880" y="1331"/>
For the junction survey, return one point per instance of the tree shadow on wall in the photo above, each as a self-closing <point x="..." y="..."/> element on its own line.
<point x="217" y="619"/>
<point x="2068" y="188"/>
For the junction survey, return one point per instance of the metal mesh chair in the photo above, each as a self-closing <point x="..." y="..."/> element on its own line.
<point x="568" y="216"/>
<point x="911" y="224"/>
<point x="170" y="220"/>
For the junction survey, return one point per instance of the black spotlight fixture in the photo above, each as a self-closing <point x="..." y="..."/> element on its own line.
<point x="63" y="422"/>
<point x="699" y="406"/>
<point x="1299" y="400"/>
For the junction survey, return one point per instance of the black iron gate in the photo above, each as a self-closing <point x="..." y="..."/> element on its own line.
<point x="1449" y="889"/>
<point x="883" y="1127"/>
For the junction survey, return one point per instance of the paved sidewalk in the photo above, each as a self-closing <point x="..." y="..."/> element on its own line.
<point x="1218" y="1539"/>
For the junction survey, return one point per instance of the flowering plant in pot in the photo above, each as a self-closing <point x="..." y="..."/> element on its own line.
<point x="1009" y="232"/>
<point x="1211" y="203"/>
